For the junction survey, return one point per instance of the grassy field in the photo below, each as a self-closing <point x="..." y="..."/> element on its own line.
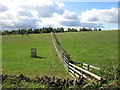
<point x="94" y="48"/>
<point x="16" y="56"/>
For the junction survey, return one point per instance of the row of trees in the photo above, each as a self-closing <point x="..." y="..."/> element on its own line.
<point x="44" y="30"/>
<point x="82" y="29"/>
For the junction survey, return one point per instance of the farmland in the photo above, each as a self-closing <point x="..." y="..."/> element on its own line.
<point x="16" y="56"/>
<point x="94" y="48"/>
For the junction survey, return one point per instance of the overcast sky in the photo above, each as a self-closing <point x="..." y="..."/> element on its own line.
<point x="15" y="14"/>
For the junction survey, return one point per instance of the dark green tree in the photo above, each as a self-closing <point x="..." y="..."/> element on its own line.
<point x="30" y="31"/>
<point x="99" y="29"/>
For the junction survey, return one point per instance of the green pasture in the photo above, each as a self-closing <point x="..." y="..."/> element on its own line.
<point x="16" y="57"/>
<point x="95" y="48"/>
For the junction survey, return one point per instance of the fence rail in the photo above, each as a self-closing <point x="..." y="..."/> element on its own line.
<point x="83" y="70"/>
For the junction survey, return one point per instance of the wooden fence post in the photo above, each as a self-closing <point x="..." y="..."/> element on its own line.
<point x="68" y="65"/>
<point x="88" y="67"/>
<point x="74" y="70"/>
<point x="81" y="65"/>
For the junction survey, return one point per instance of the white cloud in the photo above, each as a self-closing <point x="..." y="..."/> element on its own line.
<point x="28" y="13"/>
<point x="60" y="4"/>
<point x="100" y="16"/>
<point x="3" y="8"/>
<point x="70" y="15"/>
<point x="15" y="3"/>
<point x="92" y="25"/>
<point x="40" y="11"/>
<point x="90" y="0"/>
<point x="70" y="23"/>
<point x="49" y="13"/>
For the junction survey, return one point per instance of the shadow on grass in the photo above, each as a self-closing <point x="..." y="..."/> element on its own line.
<point x="40" y="57"/>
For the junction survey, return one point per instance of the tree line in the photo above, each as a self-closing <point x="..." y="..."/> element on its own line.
<point x="44" y="30"/>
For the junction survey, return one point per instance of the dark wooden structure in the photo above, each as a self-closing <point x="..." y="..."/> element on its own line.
<point x="33" y="52"/>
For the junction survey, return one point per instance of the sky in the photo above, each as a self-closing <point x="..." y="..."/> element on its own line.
<point x="16" y="14"/>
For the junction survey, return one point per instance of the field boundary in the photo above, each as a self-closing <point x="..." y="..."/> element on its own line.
<point x="83" y="70"/>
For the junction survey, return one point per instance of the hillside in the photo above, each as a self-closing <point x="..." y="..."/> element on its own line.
<point x="94" y="48"/>
<point x="17" y="59"/>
